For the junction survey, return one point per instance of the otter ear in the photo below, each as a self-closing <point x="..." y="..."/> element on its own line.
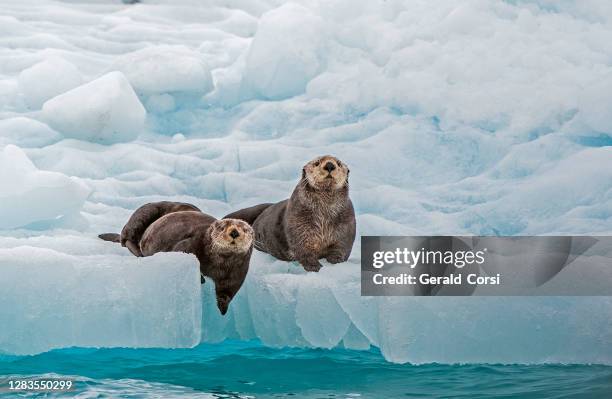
<point x="303" y="173"/>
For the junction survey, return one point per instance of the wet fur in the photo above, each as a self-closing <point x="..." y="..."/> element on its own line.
<point x="143" y="217"/>
<point x="312" y="224"/>
<point x="178" y="227"/>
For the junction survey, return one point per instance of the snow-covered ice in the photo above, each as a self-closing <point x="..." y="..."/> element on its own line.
<point x="105" y="110"/>
<point x="47" y="79"/>
<point x="165" y="69"/>
<point x="283" y="58"/>
<point x="31" y="195"/>
<point x="467" y="118"/>
<point x="26" y="132"/>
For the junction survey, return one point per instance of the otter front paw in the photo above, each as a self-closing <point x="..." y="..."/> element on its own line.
<point x="336" y="258"/>
<point x="312" y="266"/>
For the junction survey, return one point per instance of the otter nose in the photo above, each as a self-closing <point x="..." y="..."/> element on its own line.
<point x="329" y="167"/>
<point x="234" y="233"/>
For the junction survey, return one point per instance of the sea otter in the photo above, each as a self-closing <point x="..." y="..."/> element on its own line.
<point x="223" y="247"/>
<point x="316" y="222"/>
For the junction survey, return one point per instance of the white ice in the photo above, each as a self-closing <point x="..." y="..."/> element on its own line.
<point x="284" y="306"/>
<point x="47" y="79"/>
<point x="31" y="195"/>
<point x="282" y="58"/>
<point x="105" y="110"/>
<point x="165" y="69"/>
<point x="470" y="118"/>
<point x="53" y="300"/>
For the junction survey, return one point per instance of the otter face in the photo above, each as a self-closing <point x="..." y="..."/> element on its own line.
<point x="231" y="236"/>
<point x="326" y="173"/>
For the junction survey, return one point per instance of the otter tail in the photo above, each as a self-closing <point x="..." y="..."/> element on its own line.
<point x="248" y="214"/>
<point x="113" y="237"/>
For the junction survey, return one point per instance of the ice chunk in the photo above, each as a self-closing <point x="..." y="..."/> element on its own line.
<point x="47" y="79"/>
<point x="54" y="300"/>
<point x="29" y="195"/>
<point x="288" y="307"/>
<point x="166" y="69"/>
<point x="322" y="321"/>
<point x="496" y="330"/>
<point x="177" y="138"/>
<point x="105" y="110"/>
<point x="26" y="132"/>
<point x="286" y="53"/>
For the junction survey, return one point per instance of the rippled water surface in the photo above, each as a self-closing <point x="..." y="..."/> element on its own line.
<point x="247" y="369"/>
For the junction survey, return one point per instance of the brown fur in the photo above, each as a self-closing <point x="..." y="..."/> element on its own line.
<point x="223" y="247"/>
<point x="316" y="222"/>
<point x="145" y="215"/>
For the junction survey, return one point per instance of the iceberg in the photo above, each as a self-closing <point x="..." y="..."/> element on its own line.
<point x="54" y="300"/>
<point x="283" y="306"/>
<point x="471" y="118"/>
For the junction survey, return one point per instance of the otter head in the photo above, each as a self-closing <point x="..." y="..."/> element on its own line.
<point x="326" y="173"/>
<point x="231" y="236"/>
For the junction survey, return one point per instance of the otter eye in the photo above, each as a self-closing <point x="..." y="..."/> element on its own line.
<point x="317" y="163"/>
<point x="339" y="164"/>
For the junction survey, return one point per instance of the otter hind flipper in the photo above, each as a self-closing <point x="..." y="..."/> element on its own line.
<point x="248" y="214"/>
<point x="112" y="237"/>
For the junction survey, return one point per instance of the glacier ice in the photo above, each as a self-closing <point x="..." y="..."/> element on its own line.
<point x="282" y="58"/>
<point x="48" y="79"/>
<point x="165" y="69"/>
<point x="31" y="195"/>
<point x="105" y="110"/>
<point x="283" y="306"/>
<point x="471" y="118"/>
<point x="54" y="300"/>
<point x="25" y="132"/>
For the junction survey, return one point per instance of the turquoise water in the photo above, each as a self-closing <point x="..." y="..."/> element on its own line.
<point x="236" y="369"/>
